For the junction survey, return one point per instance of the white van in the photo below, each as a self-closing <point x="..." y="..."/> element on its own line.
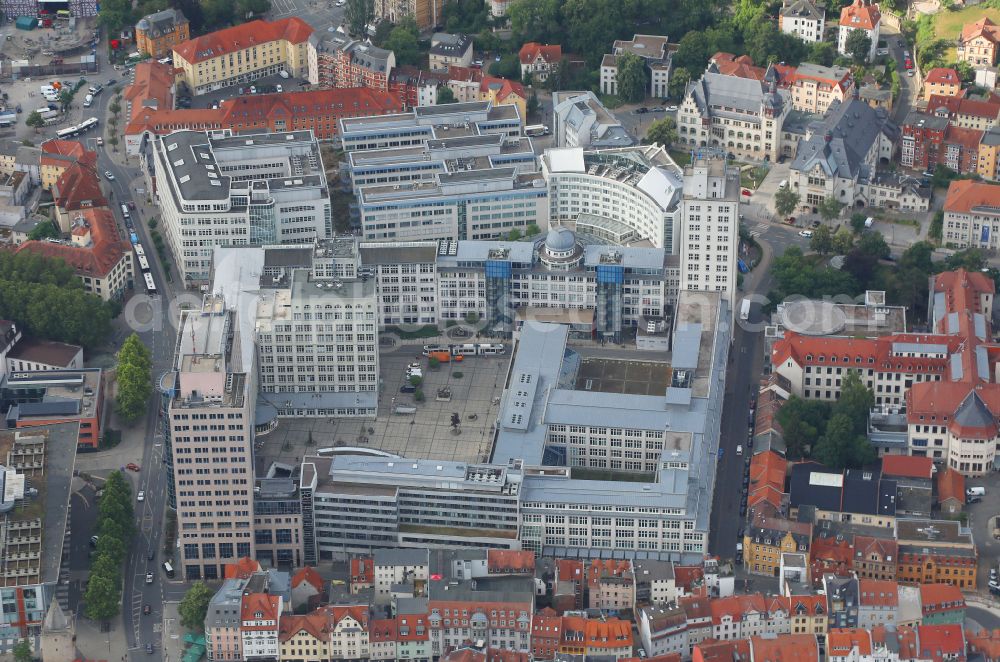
<point x="89" y="101"/>
<point x="975" y="491"/>
<point x="169" y="569"/>
<point x="47" y="89"/>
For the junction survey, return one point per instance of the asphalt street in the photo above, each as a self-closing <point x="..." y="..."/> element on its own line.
<point x="148" y="316"/>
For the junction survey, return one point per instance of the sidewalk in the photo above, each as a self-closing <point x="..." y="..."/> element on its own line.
<point x="96" y="645"/>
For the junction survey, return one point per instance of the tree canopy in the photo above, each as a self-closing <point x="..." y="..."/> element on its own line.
<point x="631" y="78"/>
<point x="134" y="378"/>
<point x="858" y="46"/>
<point x="662" y="131"/>
<point x="46" y="298"/>
<point x="359" y="14"/>
<point x="844" y="444"/>
<point x="785" y="201"/>
<point x="194" y="606"/>
<point x="404" y="42"/>
<point x="445" y="95"/>
<point x="115" y="524"/>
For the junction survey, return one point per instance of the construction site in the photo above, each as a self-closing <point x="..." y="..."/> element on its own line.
<point x="67" y="46"/>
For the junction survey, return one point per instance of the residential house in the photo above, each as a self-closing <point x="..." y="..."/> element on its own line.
<point x="878" y="603"/>
<point x="305" y="637"/>
<point x="978" y="42"/>
<point x="76" y="190"/>
<point x="970" y="217"/>
<point x="663" y="630"/>
<point x="655" y="53"/>
<point x="784" y="648"/>
<point x="546" y="634"/>
<point x="942" y="81"/>
<point x="951" y="491"/>
<point x="807" y="614"/>
<point x="768" y="537"/>
<point x="307" y="590"/>
<point x="802" y="18"/>
<point x="739" y="616"/>
<point x="591" y="637"/>
<point x="989" y="154"/>
<point x="859" y="15"/>
<point x="964" y="113"/>
<point x="655" y="582"/>
<point x="849" y="645"/>
<point x="362" y="574"/>
<point x="830" y="553"/>
<point x="722" y="651"/>
<point x="610" y="585"/>
<point x="750" y="128"/>
<point x="426" y="13"/>
<point x="157" y="34"/>
<point x="876" y="97"/>
<point x="814" y="88"/>
<point x="698" y="610"/>
<point x="875" y="557"/>
<point x="941" y="642"/>
<point x="222" y="622"/>
<point x="450" y="50"/>
<point x="539" y="60"/>
<point x="348" y="627"/>
<point x="338" y="61"/>
<point x="57" y="156"/>
<point x="841" y="601"/>
<point x="259" y="614"/>
<point x="942" y="604"/>
<point x="393" y="567"/>
<point x="985" y="643"/>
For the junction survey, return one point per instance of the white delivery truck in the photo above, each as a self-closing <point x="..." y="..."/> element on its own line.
<point x="89" y="101"/>
<point x="745" y="310"/>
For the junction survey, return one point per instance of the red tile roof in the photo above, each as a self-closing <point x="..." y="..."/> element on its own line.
<point x="768" y="468"/>
<point x="740" y="67"/>
<point x="967" y="138"/>
<point x="265" y="604"/>
<point x="96" y="260"/>
<point x="962" y="106"/>
<point x="358" y="613"/>
<point x="736" y="607"/>
<point x="503" y="87"/>
<point x="596" y="633"/>
<point x="811" y="605"/>
<point x="382" y="629"/>
<point x="362" y="570"/>
<point x="569" y="570"/>
<point x="152" y="87"/>
<point x="878" y="593"/>
<point x="940" y="642"/>
<point x="942" y="76"/>
<point x="965" y="194"/>
<point x="601" y="568"/>
<point x="315" y="624"/>
<point x="831" y="554"/>
<point x="532" y="51"/>
<point x="860" y="14"/>
<point x="909" y="466"/>
<point x="687" y="575"/>
<point x="507" y="560"/>
<point x="840" y="642"/>
<point x="78" y="187"/>
<point x="310" y="576"/>
<point x="57" y="152"/>
<point x="696" y="607"/>
<point x="984" y="27"/>
<point x="939" y="598"/>
<point x="713" y="650"/>
<point x="985" y="642"/>
<point x="241" y="568"/>
<point x="245" y="35"/>
<point x="865" y="546"/>
<point x="785" y="648"/>
<point x="950" y="485"/>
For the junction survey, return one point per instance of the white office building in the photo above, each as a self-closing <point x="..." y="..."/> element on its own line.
<point x="250" y="190"/>
<point x="711" y="227"/>
<point x="633" y="192"/>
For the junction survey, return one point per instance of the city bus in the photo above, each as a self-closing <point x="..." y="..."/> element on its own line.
<point x="536" y="130"/>
<point x="150" y="285"/>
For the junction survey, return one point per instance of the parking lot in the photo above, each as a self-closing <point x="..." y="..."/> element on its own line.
<point x="426" y="433"/>
<point x="261" y="85"/>
<point x="980" y="520"/>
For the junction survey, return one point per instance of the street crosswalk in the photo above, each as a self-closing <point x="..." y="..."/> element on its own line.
<point x="759" y="229"/>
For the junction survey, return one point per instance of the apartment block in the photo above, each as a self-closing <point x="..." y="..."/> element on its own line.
<point x="655" y="52"/>
<point x="157" y="34"/>
<point x="861" y="15"/>
<point x="802" y="18"/>
<point x="251" y="190"/>
<point x="46" y="397"/>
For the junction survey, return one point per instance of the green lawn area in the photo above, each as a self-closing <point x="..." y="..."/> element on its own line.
<point x="948" y="24"/>
<point x="681" y="157"/>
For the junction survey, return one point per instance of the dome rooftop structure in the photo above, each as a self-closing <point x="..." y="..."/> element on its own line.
<point x="560" y="240"/>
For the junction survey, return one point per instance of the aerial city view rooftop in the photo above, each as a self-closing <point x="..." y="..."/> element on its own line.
<point x="499" y="331"/>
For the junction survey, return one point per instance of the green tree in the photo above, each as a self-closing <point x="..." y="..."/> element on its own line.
<point x="785" y="201"/>
<point x="843" y="241"/>
<point x="404" y="42"/>
<point x="632" y="84"/>
<point x="970" y="259"/>
<point x="445" y="95"/>
<point x="801" y="423"/>
<point x="841" y="448"/>
<point x="102" y="596"/>
<point x="678" y="83"/>
<point x="22" y="651"/>
<point x="858" y="222"/>
<point x="415" y="380"/>
<point x="873" y="243"/>
<point x="433" y="363"/>
<point x="858" y="46"/>
<point x="65" y="98"/>
<point x="34" y="120"/>
<point x="532" y="104"/>
<point x="508" y="67"/>
<point x="662" y="131"/>
<point x="822" y="240"/>
<point x="248" y="9"/>
<point x="113" y="141"/>
<point x="937" y="226"/>
<point x="115" y="107"/>
<point x="535" y="20"/>
<point x="532" y="230"/>
<point x="822" y="52"/>
<point x="134" y="388"/>
<point x="194" y="606"/>
<point x="829" y="208"/>
<point x="514" y="235"/>
<point x="217" y="13"/>
<point x="44" y="230"/>
<point x="359" y="14"/>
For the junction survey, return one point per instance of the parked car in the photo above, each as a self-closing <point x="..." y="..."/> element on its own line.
<point x="671" y="109"/>
<point x="805" y="233"/>
<point x="141" y="496"/>
<point x="641" y="111"/>
<point x="132" y="466"/>
<point x="146" y="610"/>
<point x="816" y="223"/>
<point x="109" y="176"/>
<point x="149" y="649"/>
<point x="149" y="578"/>
<point x="408" y="388"/>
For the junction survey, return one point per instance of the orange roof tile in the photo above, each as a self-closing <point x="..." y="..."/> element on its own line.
<point x="315" y="624"/>
<point x="362" y="570"/>
<point x="259" y="607"/>
<point x="241" y="568"/>
<point x="737" y="607"/>
<point x="878" y="593"/>
<point x="309" y="576"/>
<point x="78" y="187"/>
<point x="686" y="575"/>
<point x="941" y="642"/>
<point x="812" y="605"/>
<point x="985" y="642"/>
<point x="601" y="568"/>
<point x="152" y="87"/>
<point x="942" y="76"/>
<point x="239" y="37"/>
<point x="359" y="613"/>
<point x="508" y="560"/>
<point x="984" y="27"/>
<point x="785" y="648"/>
<point x="962" y="106"/>
<point x="596" y="633"/>
<point x="908" y="466"/>
<point x="940" y="597"/>
<point x="840" y="642"/>
<point x="382" y="629"/>
<point x="865" y="546"/>
<point x="950" y="485"/>
<point x="57" y="152"/>
<point x="105" y="251"/>
<point x="713" y="650"/>
<point x="966" y="194"/>
<point x="968" y="138"/>
<point x="532" y="51"/>
<point x="860" y="14"/>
